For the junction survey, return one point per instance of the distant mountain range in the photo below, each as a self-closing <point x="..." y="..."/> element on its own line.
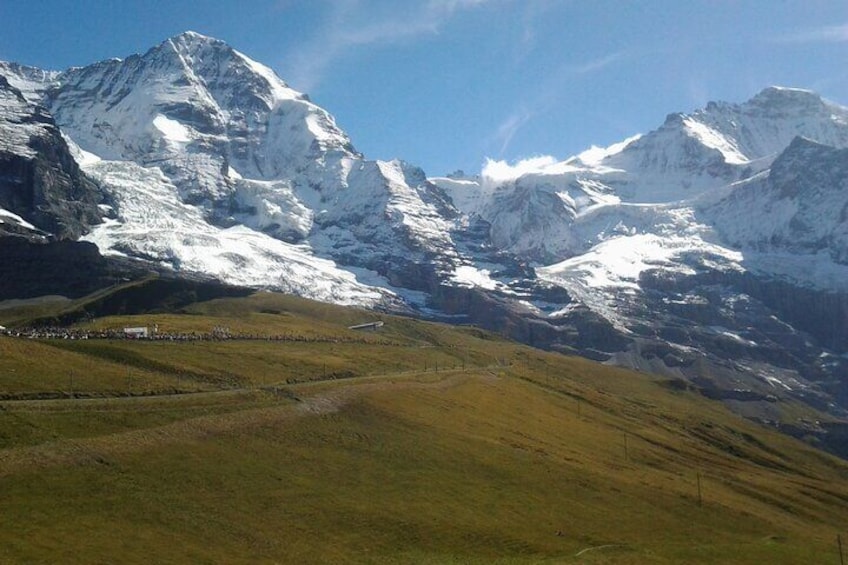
<point x="712" y="249"/>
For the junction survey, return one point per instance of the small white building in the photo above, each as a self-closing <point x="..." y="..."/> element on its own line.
<point x="373" y="326"/>
<point x="137" y="333"/>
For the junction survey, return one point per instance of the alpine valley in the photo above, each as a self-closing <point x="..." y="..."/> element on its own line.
<point x="712" y="250"/>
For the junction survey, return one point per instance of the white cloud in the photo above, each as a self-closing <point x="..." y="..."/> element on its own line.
<point x="496" y="173"/>
<point x="825" y="34"/>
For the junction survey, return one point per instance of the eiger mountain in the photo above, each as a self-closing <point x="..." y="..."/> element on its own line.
<point x="713" y="250"/>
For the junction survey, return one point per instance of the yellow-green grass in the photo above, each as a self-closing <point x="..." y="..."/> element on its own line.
<point x="37" y="422"/>
<point x="113" y="365"/>
<point x="519" y="457"/>
<point x="21" y="312"/>
<point x="455" y="467"/>
<point x="51" y="366"/>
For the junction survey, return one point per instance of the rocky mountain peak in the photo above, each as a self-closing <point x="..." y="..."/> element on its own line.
<point x="808" y="170"/>
<point x="193" y="38"/>
<point x="195" y="94"/>
<point x="216" y="67"/>
<point x="31" y="81"/>
<point x="724" y="142"/>
<point x="801" y="150"/>
<point x="796" y="100"/>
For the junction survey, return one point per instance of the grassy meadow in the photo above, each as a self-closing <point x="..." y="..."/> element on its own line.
<point x="417" y="443"/>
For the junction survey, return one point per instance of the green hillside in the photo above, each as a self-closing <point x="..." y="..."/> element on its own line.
<point x="416" y="443"/>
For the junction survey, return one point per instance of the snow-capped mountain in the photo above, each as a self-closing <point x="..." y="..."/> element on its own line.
<point x="214" y="165"/>
<point x="712" y="248"/>
<point x="550" y="211"/>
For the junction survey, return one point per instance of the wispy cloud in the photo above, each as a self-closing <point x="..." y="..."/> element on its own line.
<point x="507" y="129"/>
<point x="533" y="14"/>
<point x="354" y="23"/>
<point x="546" y="96"/>
<point x="824" y="34"/>
<point x="598" y="64"/>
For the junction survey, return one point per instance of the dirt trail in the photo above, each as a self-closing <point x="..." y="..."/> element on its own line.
<point x="313" y="401"/>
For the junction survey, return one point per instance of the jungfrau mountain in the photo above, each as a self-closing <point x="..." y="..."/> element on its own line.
<point x="712" y="250"/>
<point x="213" y="165"/>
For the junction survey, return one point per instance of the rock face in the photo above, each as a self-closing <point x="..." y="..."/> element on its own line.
<point x="713" y="249"/>
<point x="802" y="204"/>
<point x="40" y="182"/>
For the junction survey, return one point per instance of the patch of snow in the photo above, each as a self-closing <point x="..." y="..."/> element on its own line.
<point x="414" y="298"/>
<point x="775" y="382"/>
<point x="15" y="218"/>
<point x="469" y="276"/>
<point x="617" y="262"/>
<point x="317" y="127"/>
<point x="466" y="194"/>
<point x="722" y="331"/>
<point x="609" y="271"/>
<point x="173" y="130"/>
<point x="595" y="155"/>
<point x="279" y="89"/>
<point x="712" y="138"/>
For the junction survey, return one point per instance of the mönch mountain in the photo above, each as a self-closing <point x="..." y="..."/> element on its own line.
<point x="713" y="249"/>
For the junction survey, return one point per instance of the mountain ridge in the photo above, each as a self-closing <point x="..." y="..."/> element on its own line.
<point x="682" y="240"/>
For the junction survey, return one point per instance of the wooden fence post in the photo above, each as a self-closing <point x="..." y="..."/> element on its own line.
<point x="700" y="500"/>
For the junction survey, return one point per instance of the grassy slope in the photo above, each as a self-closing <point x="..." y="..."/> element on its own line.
<point x="268" y="462"/>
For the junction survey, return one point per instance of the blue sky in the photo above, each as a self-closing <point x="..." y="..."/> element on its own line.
<point x="446" y="84"/>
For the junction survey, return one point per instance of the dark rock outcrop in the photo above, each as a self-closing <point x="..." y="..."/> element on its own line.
<point x="39" y="179"/>
<point x="67" y="268"/>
